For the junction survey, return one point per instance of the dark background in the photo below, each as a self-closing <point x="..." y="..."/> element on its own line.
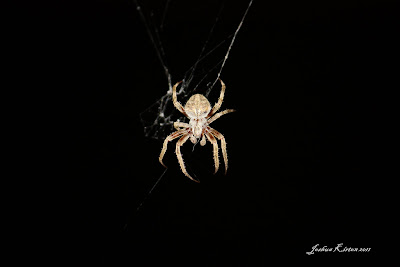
<point x="304" y="77"/>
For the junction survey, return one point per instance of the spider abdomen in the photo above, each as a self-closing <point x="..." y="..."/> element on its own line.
<point x="197" y="106"/>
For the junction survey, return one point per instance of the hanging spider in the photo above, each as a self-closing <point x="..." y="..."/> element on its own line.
<point x="198" y="111"/>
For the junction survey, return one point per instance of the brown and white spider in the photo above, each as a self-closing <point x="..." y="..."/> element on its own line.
<point x="198" y="111"/>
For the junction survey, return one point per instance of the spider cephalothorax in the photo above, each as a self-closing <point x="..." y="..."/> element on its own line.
<point x="198" y="110"/>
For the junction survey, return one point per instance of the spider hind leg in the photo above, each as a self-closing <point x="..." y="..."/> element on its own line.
<point x="223" y="145"/>
<point x="169" y="138"/>
<point x="180" y="158"/>
<point x="213" y="141"/>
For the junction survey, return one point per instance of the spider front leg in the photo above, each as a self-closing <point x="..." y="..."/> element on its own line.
<point x="220" y="99"/>
<point x="177" y="104"/>
<point x="223" y="145"/>
<point x="179" y="156"/>
<point x="170" y="137"/>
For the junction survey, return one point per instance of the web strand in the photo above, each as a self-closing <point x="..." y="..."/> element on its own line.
<point x="164" y="15"/>
<point x="187" y="80"/>
<point x="146" y="197"/>
<point x="230" y="46"/>
<point x="159" y="50"/>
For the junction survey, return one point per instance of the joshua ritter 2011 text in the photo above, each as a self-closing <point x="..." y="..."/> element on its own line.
<point x="338" y="248"/>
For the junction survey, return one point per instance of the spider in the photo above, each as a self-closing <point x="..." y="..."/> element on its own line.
<point x="198" y="110"/>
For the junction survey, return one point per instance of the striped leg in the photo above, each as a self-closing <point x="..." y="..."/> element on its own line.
<point x="169" y="138"/>
<point x="223" y="145"/>
<point x="179" y="155"/>
<point x="219" y="114"/>
<point x="212" y="140"/>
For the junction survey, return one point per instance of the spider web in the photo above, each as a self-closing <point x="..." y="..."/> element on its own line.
<point x="159" y="117"/>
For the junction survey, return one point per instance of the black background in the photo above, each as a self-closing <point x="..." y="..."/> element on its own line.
<point x="304" y="77"/>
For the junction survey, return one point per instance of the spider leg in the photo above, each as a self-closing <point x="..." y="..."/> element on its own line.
<point x="220" y="99"/>
<point x="212" y="140"/>
<point x="177" y="104"/>
<point x="223" y="145"/>
<point x="219" y="114"/>
<point x="169" y="138"/>
<point x="178" y="125"/>
<point x="179" y="155"/>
